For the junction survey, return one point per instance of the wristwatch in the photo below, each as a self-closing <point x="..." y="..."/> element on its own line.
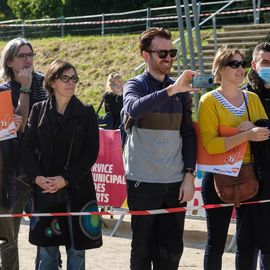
<point x="190" y="170"/>
<point x="25" y="90"/>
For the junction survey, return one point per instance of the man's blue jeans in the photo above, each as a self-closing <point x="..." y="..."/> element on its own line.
<point x="49" y="259"/>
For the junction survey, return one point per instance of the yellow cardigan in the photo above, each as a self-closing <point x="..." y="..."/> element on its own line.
<point x="213" y="114"/>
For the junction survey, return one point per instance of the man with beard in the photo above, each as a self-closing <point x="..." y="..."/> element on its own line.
<point x="259" y="83"/>
<point x="159" y="153"/>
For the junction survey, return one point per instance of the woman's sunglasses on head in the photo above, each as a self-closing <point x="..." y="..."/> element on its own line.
<point x="162" y="54"/>
<point x="236" y="64"/>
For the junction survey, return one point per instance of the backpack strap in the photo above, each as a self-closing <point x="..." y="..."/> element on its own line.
<point x="128" y="121"/>
<point x="100" y="105"/>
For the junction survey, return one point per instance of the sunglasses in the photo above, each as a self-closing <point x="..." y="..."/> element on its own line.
<point x="25" y="55"/>
<point x="66" y="79"/>
<point x="236" y="64"/>
<point x="162" y="54"/>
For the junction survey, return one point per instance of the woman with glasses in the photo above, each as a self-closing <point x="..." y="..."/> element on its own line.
<point x="61" y="144"/>
<point x="226" y="106"/>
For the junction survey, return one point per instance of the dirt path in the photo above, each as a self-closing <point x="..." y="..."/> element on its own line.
<point x="114" y="255"/>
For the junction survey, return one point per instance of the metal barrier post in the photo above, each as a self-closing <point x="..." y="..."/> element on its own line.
<point x="182" y="36"/>
<point x="23" y="28"/>
<point x="62" y="26"/>
<point x="198" y="35"/>
<point x="214" y="32"/>
<point x="254" y="11"/>
<point x="258" y="12"/>
<point x="191" y="49"/>
<point x="148" y="17"/>
<point x="189" y="32"/>
<point x="102" y="24"/>
<point x="199" y="5"/>
<point x="177" y="45"/>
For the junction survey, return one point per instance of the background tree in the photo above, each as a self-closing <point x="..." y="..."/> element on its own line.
<point x="5" y="11"/>
<point x="36" y="9"/>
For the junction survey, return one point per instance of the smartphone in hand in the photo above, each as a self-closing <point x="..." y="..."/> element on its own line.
<point x="203" y="81"/>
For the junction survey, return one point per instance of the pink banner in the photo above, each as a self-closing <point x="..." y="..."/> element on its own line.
<point x="108" y="172"/>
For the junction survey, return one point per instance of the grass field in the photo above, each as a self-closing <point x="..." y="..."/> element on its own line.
<point x="94" y="58"/>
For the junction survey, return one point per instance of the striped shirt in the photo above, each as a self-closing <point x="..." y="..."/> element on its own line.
<point x="37" y="92"/>
<point x="233" y="109"/>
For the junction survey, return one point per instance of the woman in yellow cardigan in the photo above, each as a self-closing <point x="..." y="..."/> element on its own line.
<point x="225" y="106"/>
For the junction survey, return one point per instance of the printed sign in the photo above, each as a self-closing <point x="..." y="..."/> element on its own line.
<point x="7" y="125"/>
<point x="108" y="171"/>
<point x="228" y="163"/>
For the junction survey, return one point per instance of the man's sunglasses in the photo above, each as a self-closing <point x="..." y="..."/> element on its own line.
<point x="162" y="54"/>
<point x="66" y="79"/>
<point x="236" y="64"/>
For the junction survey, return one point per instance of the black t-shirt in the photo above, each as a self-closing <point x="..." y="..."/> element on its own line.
<point x="113" y="104"/>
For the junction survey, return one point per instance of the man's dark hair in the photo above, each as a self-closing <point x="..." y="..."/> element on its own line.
<point x="148" y="35"/>
<point x="262" y="46"/>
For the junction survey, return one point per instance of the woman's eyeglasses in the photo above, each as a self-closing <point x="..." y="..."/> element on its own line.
<point x="66" y="79"/>
<point x="23" y="56"/>
<point x="236" y="64"/>
<point x="162" y="54"/>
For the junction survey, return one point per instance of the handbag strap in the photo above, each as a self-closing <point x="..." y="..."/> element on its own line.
<point x="246" y="106"/>
<point x="70" y="149"/>
<point x="100" y="105"/>
<point x="249" y="121"/>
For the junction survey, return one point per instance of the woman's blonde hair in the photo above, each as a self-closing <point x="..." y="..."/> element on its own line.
<point x="111" y="77"/>
<point x="223" y="56"/>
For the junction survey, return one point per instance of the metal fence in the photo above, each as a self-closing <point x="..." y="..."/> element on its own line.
<point x="132" y="21"/>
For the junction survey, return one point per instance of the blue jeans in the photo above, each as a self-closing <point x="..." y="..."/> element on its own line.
<point x="49" y="257"/>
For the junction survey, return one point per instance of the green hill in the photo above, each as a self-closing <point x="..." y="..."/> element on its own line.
<point x="94" y="58"/>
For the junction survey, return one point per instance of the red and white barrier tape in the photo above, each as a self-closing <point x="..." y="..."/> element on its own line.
<point x="125" y="20"/>
<point x="137" y="213"/>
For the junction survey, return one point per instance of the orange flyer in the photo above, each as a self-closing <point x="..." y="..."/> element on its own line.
<point x="228" y="163"/>
<point x="7" y="125"/>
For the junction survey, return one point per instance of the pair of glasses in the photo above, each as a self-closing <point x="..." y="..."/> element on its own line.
<point x="162" y="54"/>
<point x="66" y="78"/>
<point x="236" y="64"/>
<point x="25" y="55"/>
